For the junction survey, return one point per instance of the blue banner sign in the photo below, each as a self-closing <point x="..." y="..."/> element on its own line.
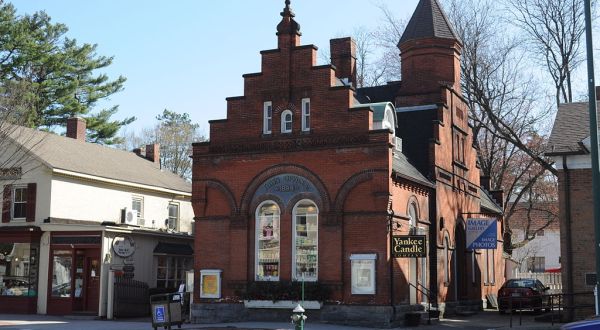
<point x="482" y="234"/>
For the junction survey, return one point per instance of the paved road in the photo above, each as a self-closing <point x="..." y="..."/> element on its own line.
<point x="484" y="320"/>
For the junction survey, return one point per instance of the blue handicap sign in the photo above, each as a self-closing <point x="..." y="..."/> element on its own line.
<point x="159" y="313"/>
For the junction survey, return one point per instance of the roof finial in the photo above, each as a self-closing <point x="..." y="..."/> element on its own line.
<point x="287" y="11"/>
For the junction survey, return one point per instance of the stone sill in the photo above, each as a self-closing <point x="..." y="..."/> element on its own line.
<point x="282" y="304"/>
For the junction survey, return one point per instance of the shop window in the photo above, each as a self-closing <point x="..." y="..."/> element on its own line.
<point x="62" y="263"/>
<point x="267" y="242"/>
<point x="267" y="117"/>
<point x="19" y="203"/>
<point x="306" y="238"/>
<point x="170" y="271"/>
<point x="173" y="222"/>
<point x="137" y="204"/>
<point x="305" y="115"/>
<point x="363" y="273"/>
<point x="286" y="121"/>
<point x="18" y="269"/>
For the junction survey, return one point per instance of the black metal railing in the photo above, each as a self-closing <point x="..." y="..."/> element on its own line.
<point x="427" y="293"/>
<point x="556" y="304"/>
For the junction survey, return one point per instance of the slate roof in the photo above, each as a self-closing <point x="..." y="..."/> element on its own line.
<point x="571" y="127"/>
<point x="403" y="168"/>
<point x="428" y="21"/>
<point x="59" y="152"/>
<point x="487" y="202"/>
<point x="375" y="94"/>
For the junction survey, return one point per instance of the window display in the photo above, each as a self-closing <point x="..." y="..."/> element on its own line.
<point x="18" y="269"/>
<point x="62" y="263"/>
<point x="306" y="241"/>
<point x="267" y="237"/>
<point x="170" y="271"/>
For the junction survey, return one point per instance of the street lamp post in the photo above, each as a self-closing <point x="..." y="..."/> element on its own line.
<point x="594" y="140"/>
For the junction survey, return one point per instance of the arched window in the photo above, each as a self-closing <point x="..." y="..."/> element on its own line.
<point x="446" y="260"/>
<point x="267" y="242"/>
<point x="413" y="215"/>
<point x="286" y="121"/>
<point x="306" y="239"/>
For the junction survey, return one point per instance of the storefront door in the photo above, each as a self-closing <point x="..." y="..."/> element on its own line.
<point x="74" y="274"/>
<point x="92" y="280"/>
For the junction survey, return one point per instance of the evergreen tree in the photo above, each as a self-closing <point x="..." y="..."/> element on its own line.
<point x="59" y="76"/>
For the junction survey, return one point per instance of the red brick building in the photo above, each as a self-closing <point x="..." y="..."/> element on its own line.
<point x="570" y="147"/>
<point x="308" y="175"/>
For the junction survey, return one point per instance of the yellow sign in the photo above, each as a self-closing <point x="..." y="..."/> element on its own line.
<point x="209" y="284"/>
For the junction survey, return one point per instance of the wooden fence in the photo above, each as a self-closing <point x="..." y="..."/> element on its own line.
<point x="551" y="280"/>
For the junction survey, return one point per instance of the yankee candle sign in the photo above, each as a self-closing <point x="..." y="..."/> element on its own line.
<point x="482" y="234"/>
<point x="409" y="246"/>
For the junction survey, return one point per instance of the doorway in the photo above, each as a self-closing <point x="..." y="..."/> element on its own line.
<point x="74" y="283"/>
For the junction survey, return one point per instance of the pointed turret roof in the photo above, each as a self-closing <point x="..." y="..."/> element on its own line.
<point x="428" y="21"/>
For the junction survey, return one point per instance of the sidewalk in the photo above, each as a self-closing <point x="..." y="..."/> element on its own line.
<point x="484" y="320"/>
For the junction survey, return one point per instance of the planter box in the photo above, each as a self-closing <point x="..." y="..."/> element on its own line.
<point x="282" y="304"/>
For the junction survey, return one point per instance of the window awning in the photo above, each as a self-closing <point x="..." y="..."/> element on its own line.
<point x="173" y="249"/>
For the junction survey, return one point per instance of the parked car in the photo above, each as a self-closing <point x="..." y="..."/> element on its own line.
<point x="582" y="325"/>
<point x="523" y="293"/>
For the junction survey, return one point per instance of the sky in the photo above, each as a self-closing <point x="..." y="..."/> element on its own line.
<point x="189" y="55"/>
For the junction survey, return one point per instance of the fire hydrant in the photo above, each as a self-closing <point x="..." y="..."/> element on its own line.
<point x="298" y="317"/>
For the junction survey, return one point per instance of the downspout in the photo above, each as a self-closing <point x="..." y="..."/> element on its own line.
<point x="567" y="187"/>
<point x="391" y="270"/>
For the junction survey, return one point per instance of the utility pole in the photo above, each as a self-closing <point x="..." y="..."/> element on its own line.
<point x="594" y="141"/>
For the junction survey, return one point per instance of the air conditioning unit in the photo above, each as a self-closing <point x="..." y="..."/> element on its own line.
<point x="129" y="216"/>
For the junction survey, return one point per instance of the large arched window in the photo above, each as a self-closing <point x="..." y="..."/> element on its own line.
<point x="306" y="239"/>
<point x="267" y="242"/>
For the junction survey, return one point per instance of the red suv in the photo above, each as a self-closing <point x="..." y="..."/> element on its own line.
<point x="523" y="293"/>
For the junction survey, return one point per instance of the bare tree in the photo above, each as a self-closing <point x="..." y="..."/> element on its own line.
<point x="506" y="113"/>
<point x="554" y="30"/>
<point x="175" y="134"/>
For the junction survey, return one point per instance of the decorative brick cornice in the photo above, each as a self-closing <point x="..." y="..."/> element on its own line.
<point x="290" y="144"/>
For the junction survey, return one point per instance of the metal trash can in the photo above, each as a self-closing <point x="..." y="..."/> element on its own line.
<point x="166" y="310"/>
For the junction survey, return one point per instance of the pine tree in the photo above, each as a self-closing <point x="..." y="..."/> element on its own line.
<point x="59" y="76"/>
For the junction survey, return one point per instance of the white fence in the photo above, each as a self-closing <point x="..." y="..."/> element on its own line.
<point x="551" y="280"/>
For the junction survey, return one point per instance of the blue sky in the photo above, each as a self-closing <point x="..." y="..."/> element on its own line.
<point x="189" y="55"/>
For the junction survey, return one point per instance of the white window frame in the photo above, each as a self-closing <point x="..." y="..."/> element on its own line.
<point x="176" y="228"/>
<point x="14" y="201"/>
<point x="267" y="117"/>
<point x="140" y="213"/>
<point x="367" y="261"/>
<point x="306" y="115"/>
<point x="276" y="233"/>
<point x="284" y="123"/>
<point x="294" y="248"/>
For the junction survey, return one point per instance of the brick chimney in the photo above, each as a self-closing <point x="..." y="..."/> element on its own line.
<point x="343" y="57"/>
<point x="153" y="153"/>
<point x="76" y="128"/>
<point x="484" y="182"/>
